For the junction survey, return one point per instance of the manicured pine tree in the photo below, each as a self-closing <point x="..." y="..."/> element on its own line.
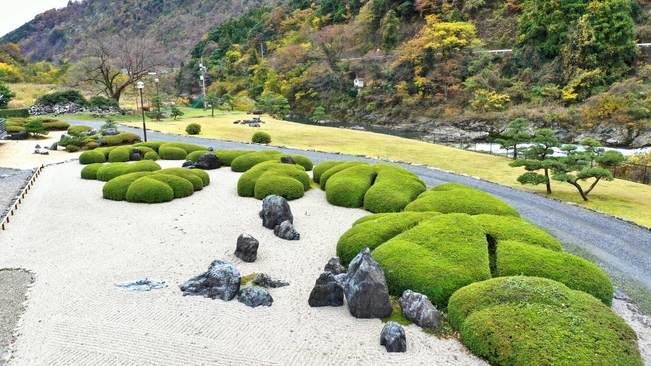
<point x="539" y="157"/>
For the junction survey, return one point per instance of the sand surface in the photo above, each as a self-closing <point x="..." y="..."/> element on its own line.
<point x="79" y="245"/>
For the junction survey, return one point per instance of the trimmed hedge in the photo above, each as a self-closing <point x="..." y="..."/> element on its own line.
<point x="72" y="148"/>
<point x="150" y="155"/>
<point x="148" y="190"/>
<point x="188" y="148"/>
<point x="515" y="258"/>
<point x="271" y="177"/>
<point x="195" y="155"/>
<point x="323" y="178"/>
<point x="172" y="153"/>
<point x="301" y="160"/>
<point x="436" y="258"/>
<point x="261" y="137"/>
<point x="56" y="126"/>
<point x="374" y="230"/>
<point x="79" y="128"/>
<point x="537" y="321"/>
<point x="248" y="161"/>
<point x="121" y="138"/>
<point x="193" y="175"/>
<point x="90" y="171"/>
<point x="113" y="170"/>
<point x="155" y="145"/>
<point x="91" y="156"/>
<point x="456" y="198"/>
<point x="14" y="113"/>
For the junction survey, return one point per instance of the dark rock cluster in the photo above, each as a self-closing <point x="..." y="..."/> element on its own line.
<point x="42" y="109"/>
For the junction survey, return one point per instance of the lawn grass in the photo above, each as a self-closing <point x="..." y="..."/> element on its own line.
<point x="619" y="197"/>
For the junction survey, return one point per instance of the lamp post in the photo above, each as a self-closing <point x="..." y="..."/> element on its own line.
<point x="158" y="101"/>
<point x="141" y="85"/>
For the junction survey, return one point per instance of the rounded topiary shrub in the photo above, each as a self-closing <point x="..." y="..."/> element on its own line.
<point x="348" y="187"/>
<point x="336" y="168"/>
<point x="148" y="190"/>
<point x="120" y="154"/>
<point x="189" y="174"/>
<point x="154" y="145"/>
<point x="150" y="155"/>
<point x="303" y="161"/>
<point x="90" y="171"/>
<point x="512" y="228"/>
<point x="226" y="157"/>
<point x="172" y="153"/>
<point x="393" y="189"/>
<point x="91" y="156"/>
<point x="515" y="258"/>
<point x="188" y="148"/>
<point x="121" y="138"/>
<point x="261" y="137"/>
<point x="537" y="321"/>
<point x="457" y="198"/>
<point x="195" y="155"/>
<point x="56" y="125"/>
<point x="110" y="171"/>
<point x="72" y="148"/>
<point x="273" y="177"/>
<point x="79" y="129"/>
<point x="180" y="186"/>
<point x="247" y="161"/>
<point x="116" y="189"/>
<point x="193" y="129"/>
<point x="322" y="167"/>
<point x="91" y="145"/>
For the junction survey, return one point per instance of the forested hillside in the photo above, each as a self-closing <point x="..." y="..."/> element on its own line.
<point x="174" y="25"/>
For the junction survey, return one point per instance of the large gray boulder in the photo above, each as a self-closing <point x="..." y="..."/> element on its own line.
<point x="326" y="292"/>
<point x="264" y="280"/>
<point x="366" y="288"/>
<point x="135" y="155"/>
<point x="393" y="337"/>
<point x="334" y="266"/>
<point x="286" y="231"/>
<point x="208" y="161"/>
<point x="254" y="296"/>
<point x="418" y="309"/>
<point x="221" y="281"/>
<point x="275" y="210"/>
<point x="247" y="248"/>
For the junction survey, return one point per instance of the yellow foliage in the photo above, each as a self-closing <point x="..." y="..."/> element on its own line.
<point x="180" y="101"/>
<point x="9" y="74"/>
<point x="485" y="100"/>
<point x="568" y="94"/>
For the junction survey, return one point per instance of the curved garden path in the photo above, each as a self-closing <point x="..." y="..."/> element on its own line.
<point x="621" y="249"/>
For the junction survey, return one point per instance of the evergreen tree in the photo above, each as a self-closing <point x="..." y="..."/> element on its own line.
<point x="390" y="31"/>
<point x="515" y="133"/>
<point x="538" y="156"/>
<point x="6" y="95"/>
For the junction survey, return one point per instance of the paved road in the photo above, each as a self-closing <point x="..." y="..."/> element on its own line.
<point x="621" y="249"/>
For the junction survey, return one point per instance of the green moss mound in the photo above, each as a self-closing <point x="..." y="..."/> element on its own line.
<point x="226" y="157"/>
<point x="374" y="230"/>
<point x="536" y="321"/>
<point x="151" y="155"/>
<point x="79" y="129"/>
<point x="110" y="171"/>
<point x="148" y="190"/>
<point x="180" y="186"/>
<point x="120" y="139"/>
<point x="172" y="153"/>
<point x="348" y="187"/>
<point x="188" y="148"/>
<point x="393" y="189"/>
<point x="515" y="258"/>
<point x="437" y="257"/>
<point x="512" y="228"/>
<point x="456" y="198"/>
<point x="336" y="168"/>
<point x="246" y="161"/>
<point x="271" y="177"/>
<point x="90" y="171"/>
<point x="120" y="154"/>
<point x="91" y="156"/>
<point x="116" y="188"/>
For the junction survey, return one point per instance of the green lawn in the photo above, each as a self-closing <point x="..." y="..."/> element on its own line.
<point x="619" y="197"/>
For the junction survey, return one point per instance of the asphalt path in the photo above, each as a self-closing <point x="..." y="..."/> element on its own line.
<point x="622" y="249"/>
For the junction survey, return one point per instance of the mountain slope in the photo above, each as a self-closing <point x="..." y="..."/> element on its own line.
<point x="177" y="25"/>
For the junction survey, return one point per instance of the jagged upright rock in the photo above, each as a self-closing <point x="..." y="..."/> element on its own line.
<point x="393" y="337"/>
<point x="275" y="210"/>
<point x="247" y="248"/>
<point x="254" y="296"/>
<point x="326" y="292"/>
<point x="334" y="266"/>
<point x="221" y="281"/>
<point x="366" y="288"/>
<point x="208" y="162"/>
<point x="286" y="231"/>
<point x="135" y="155"/>
<point x="418" y="309"/>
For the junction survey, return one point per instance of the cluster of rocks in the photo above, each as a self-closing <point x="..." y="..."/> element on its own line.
<point x="37" y="149"/>
<point x="277" y="215"/>
<point x="57" y="109"/>
<point x="365" y="289"/>
<point x="255" y="122"/>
